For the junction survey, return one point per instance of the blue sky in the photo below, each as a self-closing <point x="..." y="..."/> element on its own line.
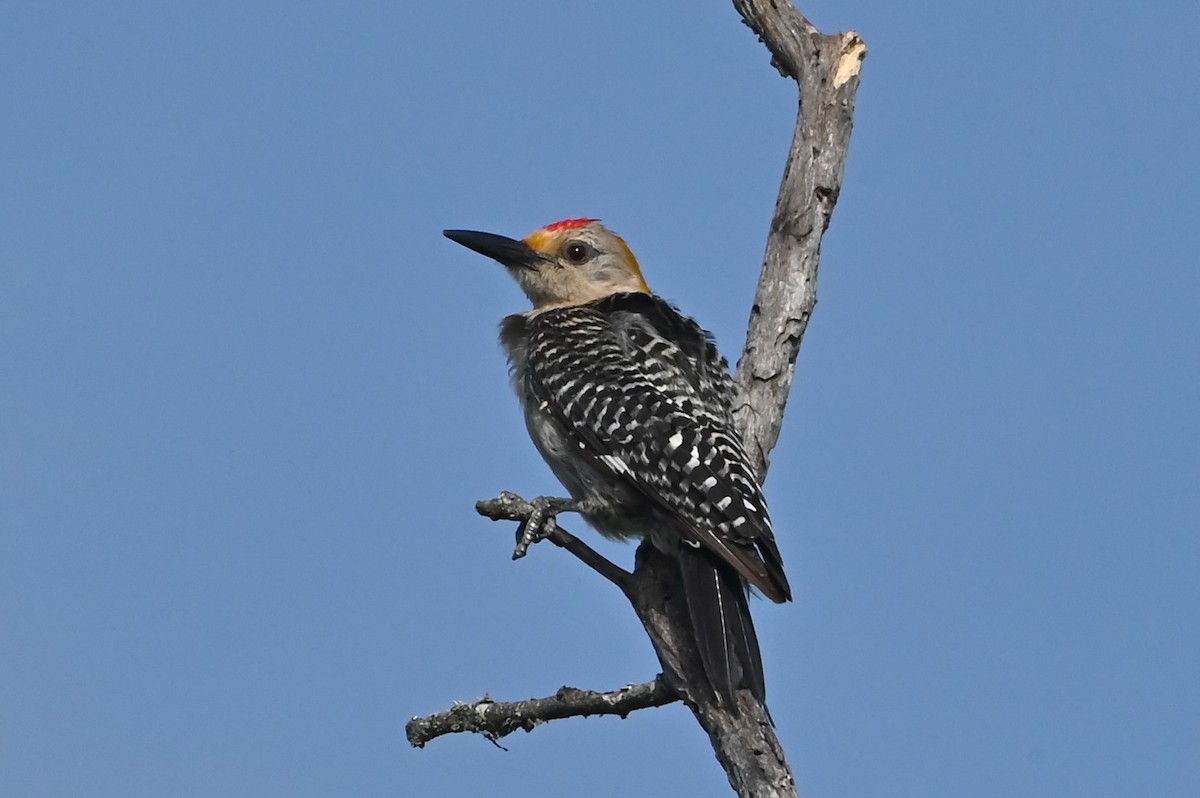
<point x="250" y="394"/>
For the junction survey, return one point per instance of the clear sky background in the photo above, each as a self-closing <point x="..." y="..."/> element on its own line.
<point x="249" y="394"/>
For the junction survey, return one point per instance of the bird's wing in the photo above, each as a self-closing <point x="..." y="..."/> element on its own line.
<point x="640" y="416"/>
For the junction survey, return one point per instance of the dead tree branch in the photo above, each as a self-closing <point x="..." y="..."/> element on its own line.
<point x="826" y="71"/>
<point x="496" y="719"/>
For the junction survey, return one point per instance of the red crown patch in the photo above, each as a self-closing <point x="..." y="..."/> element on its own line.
<point x="568" y="224"/>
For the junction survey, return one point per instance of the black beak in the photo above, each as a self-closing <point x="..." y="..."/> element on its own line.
<point x="508" y="251"/>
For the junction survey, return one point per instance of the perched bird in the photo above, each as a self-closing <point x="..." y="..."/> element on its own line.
<point x="629" y="402"/>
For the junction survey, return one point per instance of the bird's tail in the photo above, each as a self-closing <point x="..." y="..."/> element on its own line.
<point x="724" y="632"/>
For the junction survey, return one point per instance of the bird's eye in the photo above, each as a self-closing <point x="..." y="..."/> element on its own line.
<point x="577" y="252"/>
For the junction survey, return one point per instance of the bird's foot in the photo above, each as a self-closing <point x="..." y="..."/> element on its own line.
<point x="540" y="523"/>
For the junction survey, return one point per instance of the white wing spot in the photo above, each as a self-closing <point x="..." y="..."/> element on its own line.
<point x="709" y="484"/>
<point x="725" y="502"/>
<point x="674" y="442"/>
<point x="615" y="463"/>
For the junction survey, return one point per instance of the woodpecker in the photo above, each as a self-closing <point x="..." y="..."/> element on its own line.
<point x="630" y="404"/>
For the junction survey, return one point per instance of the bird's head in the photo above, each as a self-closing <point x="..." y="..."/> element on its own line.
<point x="571" y="262"/>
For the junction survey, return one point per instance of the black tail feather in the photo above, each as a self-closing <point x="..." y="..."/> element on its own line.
<point x="721" y="623"/>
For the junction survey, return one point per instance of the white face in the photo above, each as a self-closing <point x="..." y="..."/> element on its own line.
<point x="578" y="265"/>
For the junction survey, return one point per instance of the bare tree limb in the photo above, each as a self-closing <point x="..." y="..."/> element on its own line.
<point x="496" y="719"/>
<point x="826" y="70"/>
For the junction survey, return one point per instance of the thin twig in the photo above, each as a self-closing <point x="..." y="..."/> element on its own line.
<point x="496" y="719"/>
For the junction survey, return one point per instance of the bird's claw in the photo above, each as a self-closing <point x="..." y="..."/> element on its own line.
<point x="539" y="524"/>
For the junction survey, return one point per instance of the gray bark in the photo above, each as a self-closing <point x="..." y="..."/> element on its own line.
<point x="826" y="70"/>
